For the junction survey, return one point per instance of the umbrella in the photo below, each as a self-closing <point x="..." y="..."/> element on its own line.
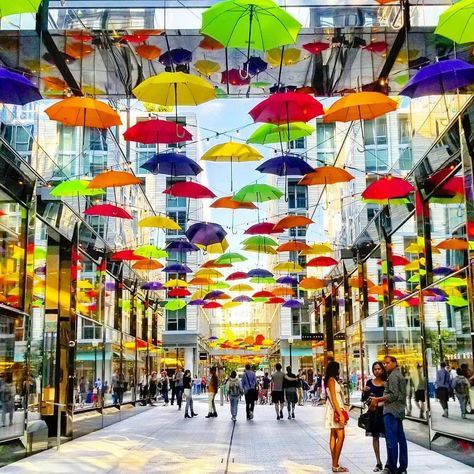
<point x="228" y="203"/>
<point x="148" y="51"/>
<point x="283" y="291"/>
<point x="205" y="233"/>
<point x="179" y="293"/>
<point x="217" y="248"/>
<point x="257" y="193"/>
<point x="197" y="302"/>
<point x="19" y="6"/>
<point x="108" y="179"/>
<point x="259" y="249"/>
<point x="255" y="65"/>
<point x="212" y="305"/>
<point x="175" y="305"/>
<point x="181" y="245"/>
<point x="287" y="280"/>
<point x="396" y="261"/>
<point x="289" y="267"/>
<point x="236" y="276"/>
<point x="176" y="56"/>
<point x="75" y="187"/>
<point x="212" y="295"/>
<point x="292" y="304"/>
<point x="263" y="294"/>
<point x="200" y="281"/>
<point x="283" y="56"/>
<point x="230" y="305"/>
<point x="152" y="286"/>
<point x="259" y="243"/>
<point x="453" y="244"/>
<point x="387" y="188"/>
<point x="241" y="288"/>
<point x="210" y="44"/>
<point x="317" y="249"/>
<point x="83" y="112"/>
<point x="147" y="265"/>
<point x="172" y="164"/>
<point x="160" y="222"/>
<point x="457" y="22"/>
<point x="150" y="251"/>
<point x="231" y="258"/>
<point x="263" y="280"/>
<point x="242" y="299"/>
<point x="321" y="262"/>
<point x="270" y="133"/>
<point x="256" y="24"/>
<point x="439" y="78"/>
<point x="206" y="67"/>
<point x="231" y="152"/>
<point x="292" y="221"/>
<point x="157" y="131"/>
<point x="212" y="263"/>
<point x="107" y="210"/>
<point x="443" y="271"/>
<point x="286" y="107"/>
<point x="359" y="106"/>
<point x="276" y="300"/>
<point x="293" y="246"/>
<point x="285" y="165"/>
<point x="175" y="283"/>
<point x="312" y="283"/>
<point x="259" y="272"/>
<point x="127" y="254"/>
<point x="324" y="175"/>
<point x="15" y="88"/>
<point x="189" y="189"/>
<point x="235" y="77"/>
<point x="262" y="228"/>
<point x="316" y="47"/>
<point x="376" y="46"/>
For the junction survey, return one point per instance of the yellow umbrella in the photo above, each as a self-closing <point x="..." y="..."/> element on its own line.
<point x="219" y="247"/>
<point x="84" y="285"/>
<point x="317" y="249"/>
<point x="415" y="248"/>
<point x="206" y="67"/>
<point x="241" y="288"/>
<point x="288" y="267"/>
<point x="260" y="249"/>
<point x="290" y="56"/>
<point x="160" y="222"/>
<point x="198" y="294"/>
<point x="175" y="283"/>
<point x="230" y="305"/>
<point x="209" y="273"/>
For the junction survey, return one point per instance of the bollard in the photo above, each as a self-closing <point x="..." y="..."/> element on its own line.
<point x="221" y="392"/>
<point x="58" y="428"/>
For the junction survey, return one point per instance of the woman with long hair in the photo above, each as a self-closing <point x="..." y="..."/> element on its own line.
<point x="187" y="385"/>
<point x="375" y="428"/>
<point x="335" y="419"/>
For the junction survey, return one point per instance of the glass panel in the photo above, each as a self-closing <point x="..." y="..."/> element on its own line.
<point x="110" y="299"/>
<point x="113" y="367"/>
<point x="128" y="368"/>
<point x="87" y="288"/>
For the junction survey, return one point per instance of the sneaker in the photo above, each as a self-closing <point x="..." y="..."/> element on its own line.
<point x="278" y="417"/>
<point x="292" y="414"/>
<point x="378" y="468"/>
<point x="289" y="417"/>
<point x="281" y="413"/>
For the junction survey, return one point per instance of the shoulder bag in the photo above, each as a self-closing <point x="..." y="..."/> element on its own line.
<point x="345" y="415"/>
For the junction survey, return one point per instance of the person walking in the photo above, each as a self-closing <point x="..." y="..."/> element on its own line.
<point x="278" y="397"/>
<point x="265" y="387"/>
<point x="420" y="397"/>
<point x="291" y="383"/>
<point x="334" y="416"/>
<point x="203" y="384"/>
<point x="234" y="390"/>
<point x="299" y="388"/>
<point x="187" y="387"/>
<point x="178" y="387"/>
<point x="7" y="397"/>
<point x="150" y="391"/>
<point x="394" y="400"/>
<point x="212" y="392"/>
<point x="460" y="386"/>
<point x="165" y="387"/>
<point x="442" y="388"/>
<point x="249" y="384"/>
<point x="173" y="390"/>
<point x="375" y="388"/>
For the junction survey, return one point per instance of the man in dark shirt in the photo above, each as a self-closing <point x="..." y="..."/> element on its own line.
<point x="265" y="386"/>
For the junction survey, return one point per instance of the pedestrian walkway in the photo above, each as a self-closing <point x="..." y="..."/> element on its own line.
<point x="161" y="440"/>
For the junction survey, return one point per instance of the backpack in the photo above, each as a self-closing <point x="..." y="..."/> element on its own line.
<point x="234" y="388"/>
<point x="461" y="386"/>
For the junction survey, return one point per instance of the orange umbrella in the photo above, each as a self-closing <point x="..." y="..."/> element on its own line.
<point x="113" y="178"/>
<point x="147" y="265"/>
<point x="83" y="112"/>
<point x="78" y="50"/>
<point x="312" y="283"/>
<point x="292" y="246"/>
<point x="52" y="83"/>
<point x="453" y="244"/>
<point x="200" y="281"/>
<point x="148" y="51"/>
<point x="210" y="44"/>
<point x="292" y="221"/>
<point x="212" y="264"/>
<point x="283" y="291"/>
<point x="226" y="202"/>
<point x="325" y="175"/>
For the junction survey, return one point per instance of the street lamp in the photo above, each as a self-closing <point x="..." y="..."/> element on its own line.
<point x="290" y="343"/>
<point x="440" y="345"/>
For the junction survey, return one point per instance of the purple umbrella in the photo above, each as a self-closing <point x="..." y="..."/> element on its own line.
<point x="197" y="302"/>
<point x="292" y="304"/>
<point x="110" y="286"/>
<point x="181" y="245"/>
<point x="172" y="164"/>
<point x="285" y="165"/>
<point x="395" y="279"/>
<point x="255" y="65"/>
<point x="213" y="294"/>
<point x="152" y="285"/>
<point x="176" y="56"/>
<point x="287" y="280"/>
<point x="438" y="78"/>
<point x="242" y="299"/>
<point x="259" y="273"/>
<point x="205" y="233"/>
<point x="40" y="270"/>
<point x="17" y="89"/>
<point x="436" y="299"/>
<point x="443" y="271"/>
<point x="177" y="268"/>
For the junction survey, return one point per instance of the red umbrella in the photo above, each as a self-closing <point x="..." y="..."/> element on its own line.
<point x="125" y="255"/>
<point x="321" y="262"/>
<point x="189" y="189"/>
<point x="316" y="47"/>
<point x="107" y="210"/>
<point x="157" y="131"/>
<point x="212" y="305"/>
<point x="237" y="276"/>
<point x="397" y="261"/>
<point x="179" y="292"/>
<point x="388" y="187"/>
<point x="212" y="264"/>
<point x="376" y="47"/>
<point x="285" y="107"/>
<point x="263" y="294"/>
<point x="262" y="228"/>
<point x="276" y="300"/>
<point x="235" y="77"/>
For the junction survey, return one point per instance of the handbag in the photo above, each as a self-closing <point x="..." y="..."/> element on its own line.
<point x="345" y="415"/>
<point x="364" y="420"/>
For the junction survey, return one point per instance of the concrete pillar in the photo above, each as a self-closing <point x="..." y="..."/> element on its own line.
<point x="188" y="359"/>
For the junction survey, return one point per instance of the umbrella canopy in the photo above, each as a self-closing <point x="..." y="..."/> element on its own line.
<point x="212" y="305"/>
<point x="285" y="165"/>
<point x="127" y="254"/>
<point x="235" y="77"/>
<point x="457" y="22"/>
<point x="241" y="288"/>
<point x="113" y="179"/>
<point x="260" y="240"/>
<point x="317" y="249"/>
<point x="150" y="251"/>
<point x="287" y="280"/>
<point x="212" y="263"/>
<point x="283" y="291"/>
<point x="107" y="210"/>
<point x="292" y="304"/>
<point x="284" y="56"/>
<point x="175" y="88"/>
<point x="262" y="228"/>
<point x="147" y="265"/>
<point x="181" y="245"/>
<point x="152" y="286"/>
<point x="289" y="267"/>
<point x="312" y="283"/>
<point x="439" y="78"/>
<point x="263" y="294"/>
<point x="148" y="51"/>
<point x="276" y="300"/>
<point x="316" y="47"/>
<point x="242" y="299"/>
<point x="255" y="65"/>
<point x="83" y="112"/>
<point x="453" y="244"/>
<point x="175" y="283"/>
<point x="231" y="258"/>
<point x="386" y="188"/>
<point x="174" y="305"/>
<point x="236" y="276"/>
<point x="257" y="193"/>
<point x="19" y="6"/>
<point x="289" y="222"/>
<point x="157" y="131"/>
<point x="160" y="222"/>
<point x="259" y="249"/>
<point x="75" y="187"/>
<point x="15" y="88"/>
<point x="359" y="106"/>
<point x="259" y="272"/>
<point x="210" y="44"/>
<point x="217" y="248"/>
<point x="256" y="24"/>
<point x="324" y="175"/>
<point x="322" y="262"/>
<point x="176" y="56"/>
<point x="172" y="164"/>
<point x="205" y="233"/>
<point x="227" y="202"/>
<point x="189" y="189"/>
<point x="232" y="152"/>
<point x="293" y="246"/>
<point x="179" y="292"/>
<point x="285" y="107"/>
<point x="206" y="67"/>
<point x="270" y="133"/>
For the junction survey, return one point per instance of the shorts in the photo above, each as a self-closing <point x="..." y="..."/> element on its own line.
<point x="278" y="397"/>
<point x="420" y="395"/>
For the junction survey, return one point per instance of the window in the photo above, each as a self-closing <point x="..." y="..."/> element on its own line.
<point x="98" y="224"/>
<point x="325" y="141"/>
<point x="298" y="144"/>
<point x="172" y="201"/>
<point x="300" y="321"/>
<point x="376" y="149"/>
<point x="20" y="138"/>
<point x="176" y="320"/>
<point x="144" y="152"/>
<point x="90" y="330"/>
<point x="68" y="150"/>
<point x="299" y="259"/>
<point x="176" y="257"/>
<point x="180" y="218"/>
<point x="97" y="139"/>
<point x="405" y="160"/>
<point x="297" y="195"/>
<point x="181" y="121"/>
<point x="93" y="163"/>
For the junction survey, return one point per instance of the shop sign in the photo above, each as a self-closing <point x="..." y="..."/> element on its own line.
<point x="340" y="337"/>
<point x="312" y="336"/>
<point x="203" y="356"/>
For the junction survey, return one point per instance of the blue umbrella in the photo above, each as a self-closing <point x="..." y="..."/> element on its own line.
<point x="181" y="245"/>
<point x="287" y="280"/>
<point x="177" y="268"/>
<point x="292" y="304"/>
<point x="205" y="233"/>
<point x="259" y="272"/>
<point x="285" y="165"/>
<point x="152" y="285"/>
<point x="172" y="164"/>
<point x="242" y="299"/>
<point x="443" y="271"/>
<point x="439" y="78"/>
<point x="176" y="56"/>
<point x="198" y="302"/>
<point x="17" y="89"/>
<point x="213" y="294"/>
<point x="255" y="65"/>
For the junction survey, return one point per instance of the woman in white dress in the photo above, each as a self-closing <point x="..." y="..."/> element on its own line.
<point x="334" y="405"/>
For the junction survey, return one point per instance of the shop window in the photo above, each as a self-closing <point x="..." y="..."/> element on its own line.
<point x="297" y="195"/>
<point x="176" y="320"/>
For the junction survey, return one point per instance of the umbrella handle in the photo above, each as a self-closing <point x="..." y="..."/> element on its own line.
<point x="177" y="132"/>
<point x="246" y="75"/>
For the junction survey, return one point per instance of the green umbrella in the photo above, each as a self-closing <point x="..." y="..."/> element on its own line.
<point x="175" y="305"/>
<point x="150" y="251"/>
<point x="457" y="301"/>
<point x="260" y="240"/>
<point x="218" y="285"/>
<point x="75" y="187"/>
<point x="260" y="299"/>
<point x="263" y="280"/>
<point x="457" y="22"/>
<point x="231" y="258"/>
<point x="270" y="133"/>
<point x="256" y="24"/>
<point x="257" y="193"/>
<point x="14" y="7"/>
<point x="453" y="282"/>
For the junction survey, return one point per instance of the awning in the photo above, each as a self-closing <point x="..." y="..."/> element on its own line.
<point x="297" y="352"/>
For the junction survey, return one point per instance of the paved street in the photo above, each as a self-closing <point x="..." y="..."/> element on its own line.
<point x="160" y="440"/>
